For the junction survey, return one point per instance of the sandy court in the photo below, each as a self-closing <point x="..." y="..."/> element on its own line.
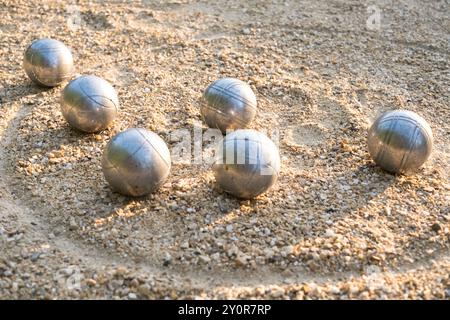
<point x="333" y="226"/>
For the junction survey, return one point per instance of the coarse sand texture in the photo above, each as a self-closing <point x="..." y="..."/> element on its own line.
<point x="334" y="225"/>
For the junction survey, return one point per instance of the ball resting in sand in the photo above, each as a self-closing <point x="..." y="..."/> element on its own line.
<point x="228" y="104"/>
<point x="400" y="141"/>
<point x="247" y="163"/>
<point x="136" y="162"/>
<point x="48" y="62"/>
<point x="89" y="103"/>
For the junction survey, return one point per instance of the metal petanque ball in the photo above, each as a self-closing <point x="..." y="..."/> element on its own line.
<point x="400" y="141"/>
<point x="89" y="103"/>
<point x="136" y="162"/>
<point x="228" y="103"/>
<point x="48" y="62"/>
<point x="247" y="163"/>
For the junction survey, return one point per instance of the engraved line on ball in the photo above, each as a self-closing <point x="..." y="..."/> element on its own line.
<point x="258" y="161"/>
<point x="226" y="116"/>
<point x="124" y="178"/>
<point x="223" y="114"/>
<point x="387" y="139"/>
<point x="234" y="83"/>
<point x="145" y="138"/>
<point x="227" y="92"/>
<point x="90" y="97"/>
<point x="48" y="50"/>
<point x="44" y="50"/>
<point x="411" y="144"/>
<point x="411" y="121"/>
<point x="233" y="95"/>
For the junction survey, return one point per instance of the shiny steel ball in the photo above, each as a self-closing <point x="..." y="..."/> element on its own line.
<point x="247" y="163"/>
<point x="228" y="103"/>
<point x="400" y="141"/>
<point x="136" y="162"/>
<point x="48" y="62"/>
<point x="89" y="103"/>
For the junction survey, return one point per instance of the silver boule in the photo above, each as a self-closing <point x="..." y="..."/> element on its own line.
<point x="89" y="103"/>
<point x="228" y="103"/>
<point x="247" y="163"/>
<point x="136" y="162"/>
<point x="48" y="62"/>
<point x="400" y="141"/>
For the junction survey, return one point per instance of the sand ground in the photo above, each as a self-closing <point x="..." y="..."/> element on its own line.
<point x="334" y="226"/>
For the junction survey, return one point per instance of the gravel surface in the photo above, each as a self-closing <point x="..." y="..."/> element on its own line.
<point x="334" y="225"/>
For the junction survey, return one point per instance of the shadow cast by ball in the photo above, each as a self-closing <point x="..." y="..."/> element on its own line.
<point x="16" y="91"/>
<point x="46" y="151"/>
